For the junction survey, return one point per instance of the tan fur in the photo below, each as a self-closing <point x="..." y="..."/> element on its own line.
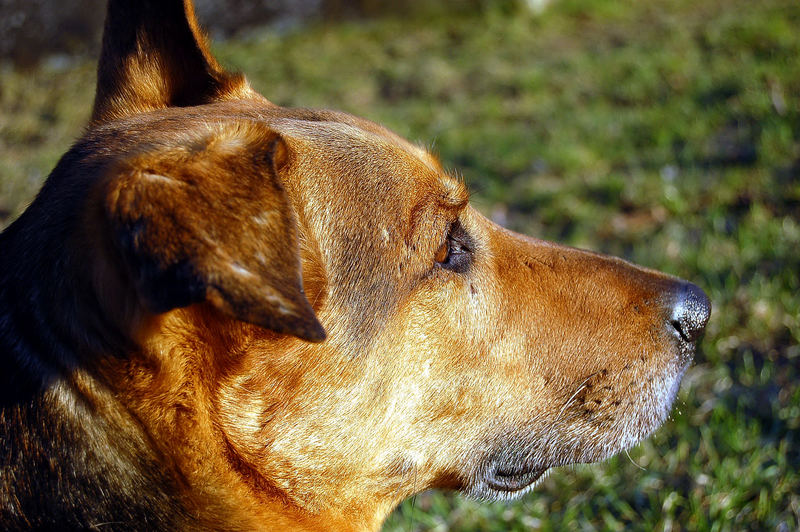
<point x="210" y="235"/>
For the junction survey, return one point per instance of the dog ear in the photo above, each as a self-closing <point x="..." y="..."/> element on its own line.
<point x="207" y="220"/>
<point x="155" y="56"/>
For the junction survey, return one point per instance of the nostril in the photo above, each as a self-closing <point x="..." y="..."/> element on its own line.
<point x="690" y="311"/>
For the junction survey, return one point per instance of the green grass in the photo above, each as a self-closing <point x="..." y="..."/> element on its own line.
<point x="666" y="132"/>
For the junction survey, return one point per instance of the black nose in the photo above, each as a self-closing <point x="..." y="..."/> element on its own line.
<point x="690" y="311"/>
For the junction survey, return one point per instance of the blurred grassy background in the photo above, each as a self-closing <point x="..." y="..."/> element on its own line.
<point x="666" y="132"/>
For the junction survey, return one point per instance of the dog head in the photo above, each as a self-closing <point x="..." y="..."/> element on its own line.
<point x="226" y="232"/>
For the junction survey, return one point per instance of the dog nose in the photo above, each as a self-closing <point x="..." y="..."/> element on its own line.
<point x="690" y="311"/>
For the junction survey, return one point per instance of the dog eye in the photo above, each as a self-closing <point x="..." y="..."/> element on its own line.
<point x="455" y="253"/>
<point x="443" y="253"/>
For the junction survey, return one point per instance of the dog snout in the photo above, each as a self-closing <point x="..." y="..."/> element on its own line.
<point x="690" y="310"/>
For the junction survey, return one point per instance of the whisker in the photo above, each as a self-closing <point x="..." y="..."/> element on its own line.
<point x="574" y="395"/>
<point x="631" y="459"/>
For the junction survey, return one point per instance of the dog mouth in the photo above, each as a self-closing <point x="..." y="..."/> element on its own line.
<point x="510" y="480"/>
<point x="506" y="474"/>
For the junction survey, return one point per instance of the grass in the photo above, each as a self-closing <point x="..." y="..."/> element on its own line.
<point x="666" y="132"/>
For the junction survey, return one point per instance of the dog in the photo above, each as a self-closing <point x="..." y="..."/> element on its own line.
<point x="221" y="314"/>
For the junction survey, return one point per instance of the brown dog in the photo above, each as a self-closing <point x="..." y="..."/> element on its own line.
<point x="163" y="362"/>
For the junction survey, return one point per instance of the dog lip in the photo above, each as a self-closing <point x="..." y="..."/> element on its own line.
<point x="515" y="479"/>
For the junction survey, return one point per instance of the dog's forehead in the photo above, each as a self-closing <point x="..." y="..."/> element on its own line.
<point x="340" y="137"/>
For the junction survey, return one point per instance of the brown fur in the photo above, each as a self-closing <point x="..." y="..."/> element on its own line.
<point x="162" y="305"/>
